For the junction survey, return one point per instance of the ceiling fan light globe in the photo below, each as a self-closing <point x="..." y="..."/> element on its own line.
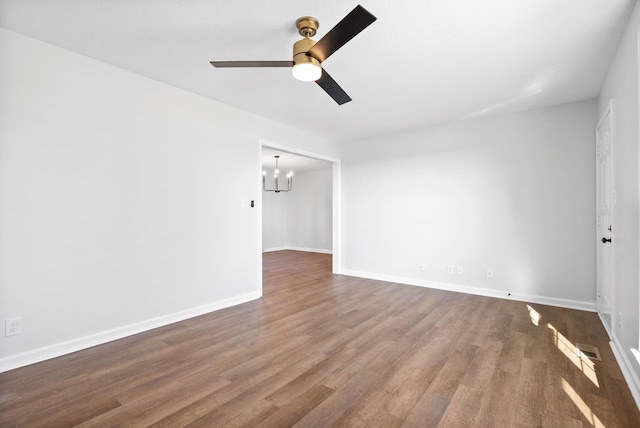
<point x="306" y="72"/>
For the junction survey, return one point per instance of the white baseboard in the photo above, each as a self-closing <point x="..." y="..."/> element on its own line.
<point x="52" y="351"/>
<point x="269" y="250"/>
<point x="627" y="369"/>
<point x="308" y="250"/>
<point x="605" y="325"/>
<point x="521" y="297"/>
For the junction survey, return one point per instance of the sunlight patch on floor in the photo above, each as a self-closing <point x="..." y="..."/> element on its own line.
<point x="581" y="361"/>
<point x="581" y="405"/>
<point x="534" y="316"/>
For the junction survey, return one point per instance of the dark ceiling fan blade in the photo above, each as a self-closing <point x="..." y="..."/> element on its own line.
<point x="352" y="24"/>
<point x="334" y="90"/>
<point x="252" y="63"/>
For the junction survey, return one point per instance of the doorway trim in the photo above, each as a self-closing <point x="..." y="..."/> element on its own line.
<point x="336" y="200"/>
<point x="610" y="323"/>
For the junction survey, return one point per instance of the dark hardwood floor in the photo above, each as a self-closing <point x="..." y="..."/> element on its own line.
<point x="329" y="350"/>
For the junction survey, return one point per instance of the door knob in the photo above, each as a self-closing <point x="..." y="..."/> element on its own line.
<point x="605" y="240"/>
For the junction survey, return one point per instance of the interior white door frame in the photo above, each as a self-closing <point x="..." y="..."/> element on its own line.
<point x="605" y="299"/>
<point x="637" y="352"/>
<point x="336" y="198"/>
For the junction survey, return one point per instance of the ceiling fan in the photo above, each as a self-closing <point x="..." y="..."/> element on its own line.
<point x="308" y="54"/>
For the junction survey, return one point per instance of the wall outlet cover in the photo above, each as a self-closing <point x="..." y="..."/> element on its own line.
<point x="12" y="326"/>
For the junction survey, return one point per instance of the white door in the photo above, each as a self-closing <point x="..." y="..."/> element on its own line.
<point x="605" y="200"/>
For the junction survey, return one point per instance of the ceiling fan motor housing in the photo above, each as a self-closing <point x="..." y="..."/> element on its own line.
<point x="300" y="49"/>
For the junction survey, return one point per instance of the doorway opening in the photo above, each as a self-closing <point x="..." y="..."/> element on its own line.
<point x="307" y="217"/>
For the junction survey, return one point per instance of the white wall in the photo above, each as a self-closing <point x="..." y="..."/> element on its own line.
<point x="310" y="211"/>
<point x="116" y="209"/>
<point x="300" y="219"/>
<point x="275" y="220"/>
<point x="515" y="193"/>
<point x="621" y="86"/>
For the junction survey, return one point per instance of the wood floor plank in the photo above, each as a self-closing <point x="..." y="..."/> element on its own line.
<point x="512" y="354"/>
<point x="414" y="372"/>
<point x="498" y="408"/>
<point x="464" y="408"/>
<point x="530" y="393"/>
<point x="305" y="382"/>
<point x="484" y="364"/>
<point x="379" y="353"/>
<point x="252" y="413"/>
<point x="332" y="408"/>
<point x="427" y="412"/>
<point x="296" y="408"/>
<point x="455" y="368"/>
<point x="151" y="408"/>
<point x="329" y="350"/>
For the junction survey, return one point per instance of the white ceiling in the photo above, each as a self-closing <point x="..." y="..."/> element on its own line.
<point x="422" y="63"/>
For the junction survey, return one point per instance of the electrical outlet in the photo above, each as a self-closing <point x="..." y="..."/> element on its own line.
<point x="489" y="272"/>
<point x="450" y="270"/>
<point x="12" y="326"/>
<point x="422" y="267"/>
<point x="460" y="270"/>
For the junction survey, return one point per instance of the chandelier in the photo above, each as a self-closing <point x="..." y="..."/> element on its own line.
<point x="275" y="176"/>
